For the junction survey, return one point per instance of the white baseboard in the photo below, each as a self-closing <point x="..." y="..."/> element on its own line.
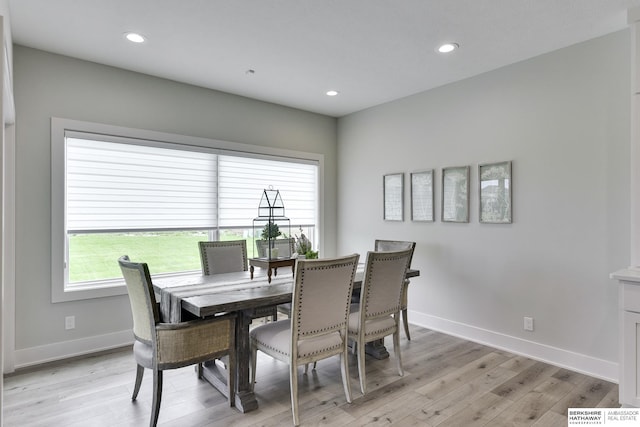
<point x="599" y="368"/>
<point x="592" y="366"/>
<point x="65" y="349"/>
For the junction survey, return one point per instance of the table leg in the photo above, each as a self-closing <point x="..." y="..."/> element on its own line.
<point x="376" y="349"/>
<point x="251" y="271"/>
<point x="269" y="275"/>
<point x="245" y="399"/>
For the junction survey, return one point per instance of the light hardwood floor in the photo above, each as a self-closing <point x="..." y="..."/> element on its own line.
<point x="447" y="382"/>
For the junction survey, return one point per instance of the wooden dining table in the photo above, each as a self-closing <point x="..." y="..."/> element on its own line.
<point x="199" y="296"/>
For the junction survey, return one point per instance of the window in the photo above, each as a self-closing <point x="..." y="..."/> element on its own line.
<point x="153" y="196"/>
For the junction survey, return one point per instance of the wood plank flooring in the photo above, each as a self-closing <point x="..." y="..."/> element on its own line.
<point x="448" y="382"/>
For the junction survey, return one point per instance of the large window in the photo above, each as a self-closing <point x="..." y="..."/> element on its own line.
<point x="153" y="196"/>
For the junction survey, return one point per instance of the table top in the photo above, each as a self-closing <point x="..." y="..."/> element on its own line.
<point x="206" y="296"/>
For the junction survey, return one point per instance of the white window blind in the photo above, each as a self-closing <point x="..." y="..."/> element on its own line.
<point x="118" y="186"/>
<point x="243" y="179"/>
<point x="126" y="186"/>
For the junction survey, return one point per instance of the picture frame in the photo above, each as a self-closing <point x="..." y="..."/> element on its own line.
<point x="455" y="194"/>
<point x="393" y="197"/>
<point x="422" y="209"/>
<point x="495" y="186"/>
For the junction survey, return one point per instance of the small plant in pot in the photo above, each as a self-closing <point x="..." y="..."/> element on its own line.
<point x="304" y="246"/>
<point x="270" y="233"/>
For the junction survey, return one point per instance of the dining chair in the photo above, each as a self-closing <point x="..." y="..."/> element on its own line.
<point x="229" y="256"/>
<point x="398" y="245"/>
<point x="317" y="328"/>
<point x="380" y="301"/>
<point x="160" y="346"/>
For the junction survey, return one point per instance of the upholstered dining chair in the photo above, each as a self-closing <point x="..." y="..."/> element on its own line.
<point x="398" y="245"/>
<point x="160" y="346"/>
<point x="380" y="301"/>
<point x="223" y="256"/>
<point x="229" y="256"/>
<point x="317" y="328"/>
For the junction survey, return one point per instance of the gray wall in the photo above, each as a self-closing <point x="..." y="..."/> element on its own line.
<point x="563" y="119"/>
<point x="49" y="85"/>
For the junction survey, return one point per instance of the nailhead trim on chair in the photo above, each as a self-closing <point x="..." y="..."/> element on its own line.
<point x="381" y="313"/>
<point x="328" y="328"/>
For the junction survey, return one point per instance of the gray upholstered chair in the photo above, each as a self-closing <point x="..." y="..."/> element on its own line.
<point x="380" y="301"/>
<point x="223" y="256"/>
<point x="284" y="247"/>
<point x="317" y="328"/>
<point x="160" y="346"/>
<point x="398" y="245"/>
<point x="229" y="256"/>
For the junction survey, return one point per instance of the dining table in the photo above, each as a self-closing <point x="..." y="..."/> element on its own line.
<point x="188" y="297"/>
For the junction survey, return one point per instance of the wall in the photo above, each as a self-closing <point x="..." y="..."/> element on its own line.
<point x="563" y="119"/>
<point x="49" y="85"/>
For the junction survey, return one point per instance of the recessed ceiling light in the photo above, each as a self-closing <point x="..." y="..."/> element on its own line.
<point x="448" y="47"/>
<point x="332" y="92"/>
<point x="135" y="37"/>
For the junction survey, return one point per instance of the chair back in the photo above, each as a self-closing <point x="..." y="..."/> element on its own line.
<point x="381" y="292"/>
<point x="223" y="256"/>
<point x="285" y="247"/>
<point x="142" y="298"/>
<point x="322" y="296"/>
<point x="395" y="245"/>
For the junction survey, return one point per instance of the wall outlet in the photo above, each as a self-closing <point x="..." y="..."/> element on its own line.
<point x="528" y="323"/>
<point x="70" y="322"/>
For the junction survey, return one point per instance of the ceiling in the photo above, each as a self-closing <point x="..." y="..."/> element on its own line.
<point x="371" y="51"/>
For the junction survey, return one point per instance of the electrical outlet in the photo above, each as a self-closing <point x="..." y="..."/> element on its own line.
<point x="70" y="322"/>
<point x="528" y="323"/>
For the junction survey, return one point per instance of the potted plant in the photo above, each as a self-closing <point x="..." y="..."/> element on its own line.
<point x="304" y="247"/>
<point x="271" y="231"/>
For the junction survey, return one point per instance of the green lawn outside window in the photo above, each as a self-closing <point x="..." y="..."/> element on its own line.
<point x="95" y="256"/>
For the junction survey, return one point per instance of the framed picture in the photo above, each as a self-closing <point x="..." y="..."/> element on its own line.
<point x="422" y="196"/>
<point x="393" y="196"/>
<point x="495" y="192"/>
<point x="455" y="194"/>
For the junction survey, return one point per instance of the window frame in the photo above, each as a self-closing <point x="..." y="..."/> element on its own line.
<point x="59" y="244"/>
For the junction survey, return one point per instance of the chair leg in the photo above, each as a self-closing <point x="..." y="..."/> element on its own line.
<point x="231" y="377"/>
<point x="157" y="397"/>
<point x="254" y="357"/>
<point x="405" y="321"/>
<point x="346" y="383"/>
<point x="293" y="381"/>
<point x="396" y="350"/>
<point x="306" y="367"/>
<point x="136" y="388"/>
<point x="361" y="368"/>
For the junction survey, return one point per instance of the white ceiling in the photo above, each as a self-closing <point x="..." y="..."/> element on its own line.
<point x="371" y="51"/>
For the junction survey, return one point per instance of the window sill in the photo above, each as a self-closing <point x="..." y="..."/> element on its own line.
<point x="76" y="293"/>
<point x="103" y="289"/>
